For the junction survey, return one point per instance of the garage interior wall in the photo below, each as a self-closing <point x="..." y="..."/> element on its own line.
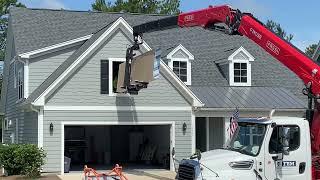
<point x="216" y="133"/>
<point x="201" y="138"/>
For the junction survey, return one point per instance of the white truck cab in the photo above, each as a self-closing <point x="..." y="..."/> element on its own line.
<point x="261" y="149"/>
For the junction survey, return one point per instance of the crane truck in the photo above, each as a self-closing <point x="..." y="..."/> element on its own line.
<point x="277" y="148"/>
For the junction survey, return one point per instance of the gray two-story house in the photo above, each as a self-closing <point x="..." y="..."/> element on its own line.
<point x="60" y="71"/>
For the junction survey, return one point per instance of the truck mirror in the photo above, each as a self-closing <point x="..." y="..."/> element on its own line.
<point x="278" y="157"/>
<point x="196" y="155"/>
<point x="285" y="138"/>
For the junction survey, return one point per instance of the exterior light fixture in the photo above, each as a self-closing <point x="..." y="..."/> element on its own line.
<point x="184" y="127"/>
<point x="51" y="127"/>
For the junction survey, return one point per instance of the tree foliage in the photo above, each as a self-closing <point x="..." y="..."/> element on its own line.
<point x="276" y="28"/>
<point x="138" y="6"/>
<point x="311" y="49"/>
<point x="5" y="4"/>
<point x="4" y="10"/>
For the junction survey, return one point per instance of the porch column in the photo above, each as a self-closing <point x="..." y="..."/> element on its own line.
<point x="193" y="132"/>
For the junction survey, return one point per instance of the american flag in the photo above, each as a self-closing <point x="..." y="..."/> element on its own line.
<point x="233" y="123"/>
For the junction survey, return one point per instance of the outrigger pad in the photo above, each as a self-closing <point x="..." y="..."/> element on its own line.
<point x="114" y="174"/>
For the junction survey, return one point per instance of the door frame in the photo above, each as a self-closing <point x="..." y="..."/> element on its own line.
<point x="95" y="123"/>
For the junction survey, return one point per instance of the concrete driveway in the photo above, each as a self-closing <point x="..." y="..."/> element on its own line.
<point x="130" y="174"/>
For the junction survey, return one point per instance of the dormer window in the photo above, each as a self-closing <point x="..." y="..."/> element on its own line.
<point x="240" y="68"/>
<point x="240" y="72"/>
<point x="179" y="60"/>
<point x="180" y="68"/>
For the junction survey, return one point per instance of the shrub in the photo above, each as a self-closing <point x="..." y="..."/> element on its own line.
<point x="22" y="159"/>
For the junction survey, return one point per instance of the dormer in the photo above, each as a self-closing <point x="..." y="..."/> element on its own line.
<point x="240" y="67"/>
<point x="179" y="60"/>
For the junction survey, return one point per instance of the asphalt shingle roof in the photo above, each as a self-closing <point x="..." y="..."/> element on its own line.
<point x="36" y="28"/>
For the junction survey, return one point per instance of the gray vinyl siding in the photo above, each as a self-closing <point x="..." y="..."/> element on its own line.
<point x="180" y="54"/>
<point x="52" y="141"/>
<point x="11" y="110"/>
<point x="24" y="124"/>
<point x="83" y="88"/>
<point x="41" y="67"/>
<point x="29" y="128"/>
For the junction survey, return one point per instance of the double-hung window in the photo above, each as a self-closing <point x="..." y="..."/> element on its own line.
<point x="180" y="68"/>
<point x="20" y="83"/>
<point x="240" y="72"/>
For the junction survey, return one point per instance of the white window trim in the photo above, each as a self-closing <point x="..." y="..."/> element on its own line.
<point x="14" y="74"/>
<point x="5" y="124"/>
<point x="26" y="79"/>
<point x="170" y="64"/>
<point x="3" y="129"/>
<point x="17" y="131"/>
<point x="111" y="60"/>
<point x="18" y="85"/>
<point x="231" y="67"/>
<point x="187" y="59"/>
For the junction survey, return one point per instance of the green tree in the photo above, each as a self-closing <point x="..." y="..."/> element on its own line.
<point x="276" y="28"/>
<point x="138" y="6"/>
<point x="4" y="10"/>
<point x="311" y="49"/>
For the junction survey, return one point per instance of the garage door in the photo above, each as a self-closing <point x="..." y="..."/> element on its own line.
<point x="133" y="146"/>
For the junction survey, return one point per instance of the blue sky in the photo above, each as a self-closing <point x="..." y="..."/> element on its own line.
<point x="297" y="17"/>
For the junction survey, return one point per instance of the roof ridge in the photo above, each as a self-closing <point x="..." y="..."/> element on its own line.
<point x="89" y="11"/>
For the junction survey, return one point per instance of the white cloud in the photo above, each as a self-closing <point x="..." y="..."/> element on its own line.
<point x="49" y="4"/>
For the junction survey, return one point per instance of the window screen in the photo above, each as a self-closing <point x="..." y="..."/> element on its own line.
<point x="104" y="79"/>
<point x="275" y="140"/>
<point x="240" y="72"/>
<point x="180" y="68"/>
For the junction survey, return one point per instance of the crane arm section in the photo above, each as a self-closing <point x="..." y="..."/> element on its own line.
<point x="244" y="24"/>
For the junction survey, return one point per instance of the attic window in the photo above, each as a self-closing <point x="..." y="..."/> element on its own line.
<point x="240" y="73"/>
<point x="179" y="60"/>
<point x="240" y="68"/>
<point x="180" y="68"/>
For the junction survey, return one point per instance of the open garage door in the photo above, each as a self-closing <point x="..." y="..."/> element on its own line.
<point x="133" y="146"/>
